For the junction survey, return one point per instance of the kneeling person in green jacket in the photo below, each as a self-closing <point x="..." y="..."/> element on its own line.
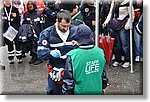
<point x="84" y="65"/>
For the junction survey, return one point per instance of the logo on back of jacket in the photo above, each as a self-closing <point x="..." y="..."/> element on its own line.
<point x="92" y="67"/>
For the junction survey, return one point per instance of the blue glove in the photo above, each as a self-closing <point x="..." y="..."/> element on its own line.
<point x="55" y="53"/>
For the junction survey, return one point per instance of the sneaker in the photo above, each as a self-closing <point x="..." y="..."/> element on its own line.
<point x="126" y="65"/>
<point x="141" y="59"/>
<point x="137" y="59"/>
<point x="20" y="61"/>
<point x="11" y="61"/>
<point x="115" y="64"/>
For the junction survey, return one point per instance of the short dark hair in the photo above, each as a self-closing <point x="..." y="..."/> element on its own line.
<point x="64" y="14"/>
<point x="67" y="5"/>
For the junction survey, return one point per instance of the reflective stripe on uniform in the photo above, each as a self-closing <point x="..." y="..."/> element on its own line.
<point x="41" y="48"/>
<point x="4" y="17"/>
<point x="60" y="44"/>
<point x="11" y="53"/>
<point x="18" y="53"/>
<point x="37" y="19"/>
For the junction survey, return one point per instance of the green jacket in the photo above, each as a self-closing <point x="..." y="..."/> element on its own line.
<point x="77" y="19"/>
<point x="87" y="66"/>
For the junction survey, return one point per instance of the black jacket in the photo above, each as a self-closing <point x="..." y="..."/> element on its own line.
<point x="88" y="12"/>
<point x="14" y="18"/>
<point x="49" y="15"/>
<point x="33" y="17"/>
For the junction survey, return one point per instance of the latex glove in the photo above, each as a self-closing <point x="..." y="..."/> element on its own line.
<point x="55" y="53"/>
<point x="56" y="74"/>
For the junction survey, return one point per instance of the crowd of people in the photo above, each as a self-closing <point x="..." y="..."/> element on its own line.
<point x="62" y="32"/>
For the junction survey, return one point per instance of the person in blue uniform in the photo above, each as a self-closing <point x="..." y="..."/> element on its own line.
<point x="32" y="17"/>
<point x="9" y="16"/>
<point x="88" y="11"/>
<point x="54" y="43"/>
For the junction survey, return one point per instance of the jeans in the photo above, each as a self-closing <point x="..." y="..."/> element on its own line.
<point x="138" y="39"/>
<point x="122" y="44"/>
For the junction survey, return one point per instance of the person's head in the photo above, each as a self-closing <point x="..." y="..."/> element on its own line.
<point x="49" y="3"/>
<point x="31" y="5"/>
<point x="7" y="3"/>
<point x="83" y="35"/>
<point x="63" y="20"/>
<point x="70" y="6"/>
<point x="90" y="2"/>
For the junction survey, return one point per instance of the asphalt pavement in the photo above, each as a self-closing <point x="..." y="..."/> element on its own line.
<point x="26" y="79"/>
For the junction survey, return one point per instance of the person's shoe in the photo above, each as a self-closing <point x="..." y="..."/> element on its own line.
<point x="137" y="59"/>
<point x="20" y="61"/>
<point x="33" y="59"/>
<point x="126" y="65"/>
<point x="37" y="62"/>
<point x="11" y="61"/>
<point x="3" y="67"/>
<point x="141" y="59"/>
<point x="115" y="64"/>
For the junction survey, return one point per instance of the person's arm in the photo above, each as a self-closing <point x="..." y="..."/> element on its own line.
<point x="109" y="14"/>
<point x="43" y="50"/>
<point x="127" y="25"/>
<point x="68" y="82"/>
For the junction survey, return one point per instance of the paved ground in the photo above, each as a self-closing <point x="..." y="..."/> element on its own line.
<point x="30" y="79"/>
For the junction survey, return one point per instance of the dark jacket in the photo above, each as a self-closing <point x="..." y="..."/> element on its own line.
<point x="49" y="15"/>
<point x="33" y="17"/>
<point x="53" y="41"/>
<point x="14" y="18"/>
<point x="25" y="33"/>
<point x="88" y="12"/>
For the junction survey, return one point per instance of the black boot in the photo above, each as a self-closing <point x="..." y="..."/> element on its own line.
<point x="37" y="62"/>
<point x="33" y="59"/>
<point x="20" y="61"/>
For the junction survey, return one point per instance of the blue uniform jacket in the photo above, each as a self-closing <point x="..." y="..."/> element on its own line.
<point x="50" y="40"/>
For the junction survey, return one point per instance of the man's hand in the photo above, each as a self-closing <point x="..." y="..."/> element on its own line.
<point x="104" y="24"/>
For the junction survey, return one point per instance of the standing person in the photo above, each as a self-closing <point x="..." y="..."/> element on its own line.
<point x="49" y="13"/>
<point x="104" y="6"/>
<point x="84" y="65"/>
<point x="120" y="11"/>
<point x="54" y="43"/>
<point x="32" y="16"/>
<point x="138" y="39"/>
<point x="75" y="12"/>
<point x="88" y="11"/>
<point x="10" y="17"/>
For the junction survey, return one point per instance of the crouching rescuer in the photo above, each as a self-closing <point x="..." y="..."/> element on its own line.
<point x="84" y="65"/>
<point x="54" y="43"/>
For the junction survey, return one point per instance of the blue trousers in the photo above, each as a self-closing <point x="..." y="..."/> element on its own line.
<point x="122" y="44"/>
<point x="138" y="39"/>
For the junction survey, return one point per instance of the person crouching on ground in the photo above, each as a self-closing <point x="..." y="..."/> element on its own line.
<point x="84" y="65"/>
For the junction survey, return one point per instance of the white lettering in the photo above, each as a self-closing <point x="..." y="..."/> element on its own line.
<point x="92" y="67"/>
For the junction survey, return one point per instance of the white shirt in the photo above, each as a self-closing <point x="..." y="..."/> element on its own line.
<point x="123" y="12"/>
<point x="62" y="35"/>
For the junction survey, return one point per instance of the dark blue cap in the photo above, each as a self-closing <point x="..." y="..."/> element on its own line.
<point x="83" y="35"/>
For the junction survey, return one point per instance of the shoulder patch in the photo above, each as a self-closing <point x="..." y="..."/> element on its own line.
<point x="44" y="42"/>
